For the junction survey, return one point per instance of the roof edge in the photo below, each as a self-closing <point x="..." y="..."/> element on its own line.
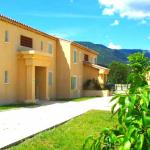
<point x="86" y="48"/>
<point x="26" y="27"/>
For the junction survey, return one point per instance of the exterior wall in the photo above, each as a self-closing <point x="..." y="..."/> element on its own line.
<point x="90" y="73"/>
<point x="15" y="89"/>
<point x="77" y="69"/>
<point x="22" y="62"/>
<point x="101" y="93"/>
<point x="63" y="69"/>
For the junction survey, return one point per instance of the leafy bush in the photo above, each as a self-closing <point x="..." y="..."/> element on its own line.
<point x="132" y="108"/>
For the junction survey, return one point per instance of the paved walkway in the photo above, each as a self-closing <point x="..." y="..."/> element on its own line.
<point x="19" y="124"/>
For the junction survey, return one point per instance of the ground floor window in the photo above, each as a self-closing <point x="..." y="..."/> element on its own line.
<point x="6" y="77"/>
<point x="73" y="82"/>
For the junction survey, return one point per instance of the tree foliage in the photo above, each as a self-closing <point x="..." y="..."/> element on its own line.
<point x="132" y="109"/>
<point x="140" y="66"/>
<point x="118" y="73"/>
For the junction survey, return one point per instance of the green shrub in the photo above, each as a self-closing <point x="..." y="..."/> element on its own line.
<point x="132" y="109"/>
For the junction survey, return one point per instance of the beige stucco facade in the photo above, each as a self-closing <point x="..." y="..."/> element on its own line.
<point x="28" y="68"/>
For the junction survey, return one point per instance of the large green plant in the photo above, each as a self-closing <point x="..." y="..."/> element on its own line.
<point x="118" y="73"/>
<point x="132" y="108"/>
<point x="140" y="65"/>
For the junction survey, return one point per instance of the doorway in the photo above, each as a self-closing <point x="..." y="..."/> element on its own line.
<point x="40" y="83"/>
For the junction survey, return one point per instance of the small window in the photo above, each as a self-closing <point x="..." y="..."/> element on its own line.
<point x="86" y="57"/>
<point x="50" y="78"/>
<point x="74" y="82"/>
<point x="95" y="60"/>
<point x="6" y="36"/>
<point x="26" y="41"/>
<point x="6" y="77"/>
<point x="50" y="48"/>
<point x="91" y="60"/>
<point x="75" y="56"/>
<point x="41" y="45"/>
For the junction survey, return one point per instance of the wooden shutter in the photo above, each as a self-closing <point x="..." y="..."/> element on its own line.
<point x="26" y="41"/>
<point x="86" y="57"/>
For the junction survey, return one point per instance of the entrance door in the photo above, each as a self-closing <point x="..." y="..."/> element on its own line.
<point x="40" y="83"/>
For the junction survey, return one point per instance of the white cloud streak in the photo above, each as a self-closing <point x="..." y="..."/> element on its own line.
<point x="115" y="23"/>
<point x="134" y="9"/>
<point x="114" y="46"/>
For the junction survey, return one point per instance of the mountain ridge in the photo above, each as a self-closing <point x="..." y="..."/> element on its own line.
<point x="107" y="55"/>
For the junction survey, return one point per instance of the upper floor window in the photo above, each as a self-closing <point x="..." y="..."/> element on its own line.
<point x="86" y="57"/>
<point x="50" y="48"/>
<point x="6" y="77"/>
<point x="6" y="36"/>
<point x="26" y="41"/>
<point x="42" y="45"/>
<point x="75" y="56"/>
<point x="95" y="60"/>
<point x="91" y="60"/>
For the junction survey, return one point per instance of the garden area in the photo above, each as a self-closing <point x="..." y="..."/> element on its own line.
<point x="69" y="136"/>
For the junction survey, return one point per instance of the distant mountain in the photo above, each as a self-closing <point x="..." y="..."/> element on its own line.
<point x="108" y="55"/>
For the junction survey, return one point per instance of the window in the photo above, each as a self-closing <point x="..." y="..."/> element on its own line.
<point x="6" y="36"/>
<point x="95" y="60"/>
<point x="73" y="82"/>
<point x="41" y="45"/>
<point x="75" y="56"/>
<point x="50" y="48"/>
<point x="6" y="77"/>
<point x="50" y="78"/>
<point x="26" y="41"/>
<point x="86" y="57"/>
<point x="91" y="60"/>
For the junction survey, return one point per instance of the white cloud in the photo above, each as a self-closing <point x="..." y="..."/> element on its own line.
<point x="115" y="23"/>
<point x="136" y="9"/>
<point x="114" y="46"/>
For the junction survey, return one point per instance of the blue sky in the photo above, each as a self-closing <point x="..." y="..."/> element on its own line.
<point x="114" y="23"/>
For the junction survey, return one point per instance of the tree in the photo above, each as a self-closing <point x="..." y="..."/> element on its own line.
<point x="118" y="73"/>
<point x="132" y="108"/>
<point x="140" y="65"/>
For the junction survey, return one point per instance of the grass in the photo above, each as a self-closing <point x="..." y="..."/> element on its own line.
<point x="76" y="99"/>
<point x="71" y="135"/>
<point x="14" y="106"/>
<point x="82" y="99"/>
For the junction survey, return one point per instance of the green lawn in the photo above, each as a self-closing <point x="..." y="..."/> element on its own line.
<point x="76" y="99"/>
<point x="82" y="99"/>
<point x="71" y="135"/>
<point x="13" y="106"/>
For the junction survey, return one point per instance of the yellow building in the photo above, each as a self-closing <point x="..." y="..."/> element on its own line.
<point x="35" y="65"/>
